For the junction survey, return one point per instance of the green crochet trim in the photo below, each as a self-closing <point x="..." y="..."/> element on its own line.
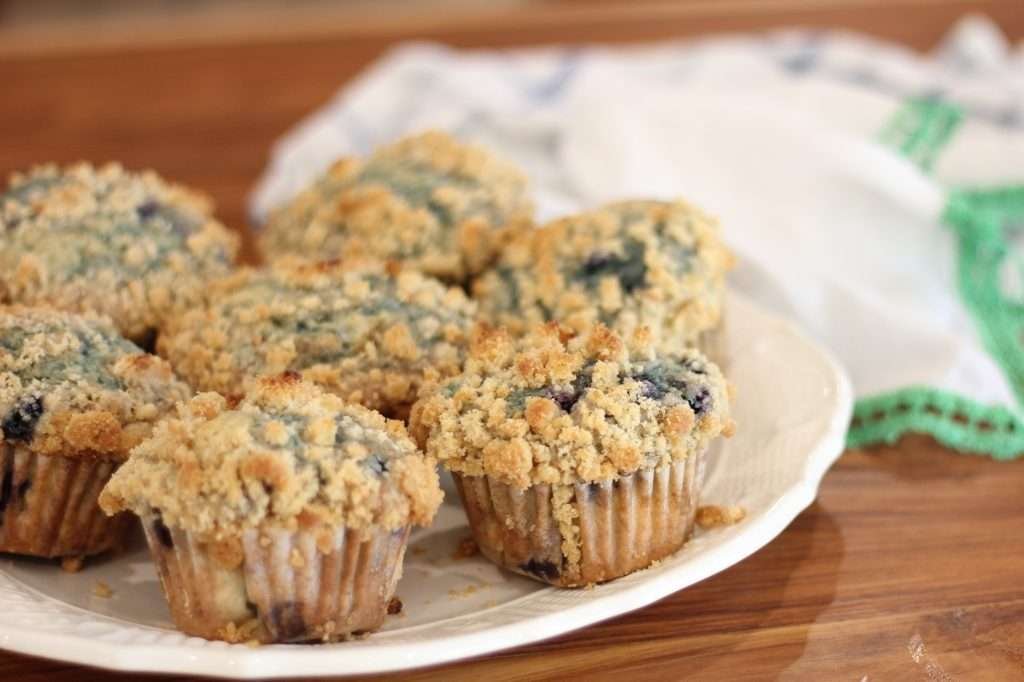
<point x="921" y="128"/>
<point x="955" y="421"/>
<point x="986" y="223"/>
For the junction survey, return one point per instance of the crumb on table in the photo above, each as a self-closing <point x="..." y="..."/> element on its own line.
<point x="71" y="564"/>
<point x="467" y="548"/>
<point x="715" y="516"/>
<point x="394" y="606"/>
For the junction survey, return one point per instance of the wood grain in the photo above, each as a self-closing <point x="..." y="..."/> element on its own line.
<point x="910" y="565"/>
<point x="918" y="23"/>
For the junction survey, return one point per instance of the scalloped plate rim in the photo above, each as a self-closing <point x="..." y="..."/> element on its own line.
<point x="385" y="654"/>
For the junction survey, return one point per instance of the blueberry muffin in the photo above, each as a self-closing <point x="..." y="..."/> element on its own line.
<point x="627" y="265"/>
<point x="368" y="333"/>
<point x="578" y="459"/>
<point x="75" y="397"/>
<point x="281" y="519"/>
<point x="427" y="200"/>
<point x="127" y="245"/>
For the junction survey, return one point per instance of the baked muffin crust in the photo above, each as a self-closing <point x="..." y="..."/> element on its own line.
<point x="427" y="200"/>
<point x="70" y="385"/>
<point x="558" y="408"/>
<point x="366" y="332"/>
<point x="128" y="245"/>
<point x="289" y="455"/>
<point x="626" y="265"/>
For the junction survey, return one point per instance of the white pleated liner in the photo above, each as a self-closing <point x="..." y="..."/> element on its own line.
<point x="48" y="505"/>
<point x="286" y="589"/>
<point x="620" y="526"/>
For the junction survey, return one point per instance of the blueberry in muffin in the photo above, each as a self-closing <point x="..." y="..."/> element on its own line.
<point x="369" y="333"/>
<point x="75" y="397"/>
<point x="627" y="265"/>
<point x="127" y="245"/>
<point x="427" y="200"/>
<point x="577" y="457"/>
<point x="283" y="518"/>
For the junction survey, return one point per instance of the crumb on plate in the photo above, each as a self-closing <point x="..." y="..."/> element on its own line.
<point x="715" y="516"/>
<point x="246" y="633"/>
<point x="467" y="548"/>
<point x="467" y="591"/>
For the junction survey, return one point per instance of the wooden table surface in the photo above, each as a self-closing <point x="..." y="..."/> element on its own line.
<point x="909" y="566"/>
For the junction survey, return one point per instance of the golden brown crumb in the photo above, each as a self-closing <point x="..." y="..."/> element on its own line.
<point x="426" y="200"/>
<point x="246" y="632"/>
<point x="467" y="548"/>
<point x="326" y="630"/>
<point x="71" y="564"/>
<point x="289" y="452"/>
<point x="394" y="606"/>
<point x="560" y="409"/>
<point x="102" y="590"/>
<point x="365" y="333"/>
<point x="651" y="268"/>
<point x="714" y="516"/>
<point x="465" y="592"/>
<point x="71" y="385"/>
<point x="128" y="245"/>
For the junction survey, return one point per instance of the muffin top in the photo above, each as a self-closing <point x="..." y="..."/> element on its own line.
<point x="70" y="385"/>
<point x="627" y="265"/>
<point x="288" y="454"/>
<point x="364" y="331"/>
<point x="554" y="407"/>
<point x="428" y="200"/>
<point x="128" y="245"/>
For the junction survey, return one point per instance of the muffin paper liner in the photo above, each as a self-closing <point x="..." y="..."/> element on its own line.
<point x="290" y="586"/>
<point x="573" y="535"/>
<point x="48" y="505"/>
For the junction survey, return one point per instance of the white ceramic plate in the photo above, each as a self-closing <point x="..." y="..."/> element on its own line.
<point x="792" y="407"/>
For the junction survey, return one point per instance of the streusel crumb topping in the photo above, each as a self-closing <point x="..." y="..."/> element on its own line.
<point x="362" y="330"/>
<point x="559" y="408"/>
<point x="627" y="265"/>
<point x="127" y="245"/>
<point x="429" y="200"/>
<point x="70" y="385"/>
<point x="288" y="455"/>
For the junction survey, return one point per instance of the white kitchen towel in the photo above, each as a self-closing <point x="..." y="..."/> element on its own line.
<point x="821" y="153"/>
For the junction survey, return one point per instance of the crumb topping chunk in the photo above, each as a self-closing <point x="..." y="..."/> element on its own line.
<point x="367" y="332"/>
<point x="101" y="239"/>
<point x="71" y="385"/>
<point x="627" y="265"/>
<point x="441" y="206"/>
<point x="289" y="455"/>
<point x="561" y="408"/>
